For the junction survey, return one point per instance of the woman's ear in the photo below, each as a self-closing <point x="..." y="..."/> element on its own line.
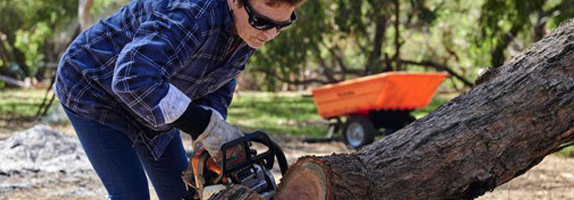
<point x="237" y="3"/>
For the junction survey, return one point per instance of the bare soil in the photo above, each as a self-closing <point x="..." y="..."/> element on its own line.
<point x="551" y="179"/>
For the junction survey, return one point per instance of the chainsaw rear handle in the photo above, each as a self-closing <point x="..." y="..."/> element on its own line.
<point x="269" y="156"/>
<point x="281" y="160"/>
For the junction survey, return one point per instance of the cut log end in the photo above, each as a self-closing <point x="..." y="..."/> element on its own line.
<point x="308" y="183"/>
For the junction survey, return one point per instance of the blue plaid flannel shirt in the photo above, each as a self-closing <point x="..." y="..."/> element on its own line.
<point x="137" y="70"/>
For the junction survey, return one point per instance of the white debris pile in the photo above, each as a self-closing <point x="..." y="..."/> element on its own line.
<point x="41" y="149"/>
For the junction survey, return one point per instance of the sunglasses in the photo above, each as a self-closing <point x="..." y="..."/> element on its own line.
<point x="263" y="23"/>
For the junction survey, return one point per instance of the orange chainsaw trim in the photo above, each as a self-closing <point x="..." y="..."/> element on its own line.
<point x="211" y="166"/>
<point x="385" y="91"/>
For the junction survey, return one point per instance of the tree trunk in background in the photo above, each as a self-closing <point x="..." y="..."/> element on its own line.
<point x="516" y="115"/>
<point x="84" y="13"/>
<point x="539" y="26"/>
<point x="398" y="65"/>
<point x="374" y="65"/>
<point x="497" y="53"/>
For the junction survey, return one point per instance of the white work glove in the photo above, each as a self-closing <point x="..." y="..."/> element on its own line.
<point x="217" y="133"/>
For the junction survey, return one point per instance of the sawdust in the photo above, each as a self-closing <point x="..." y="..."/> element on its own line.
<point x="53" y="166"/>
<point x="40" y="163"/>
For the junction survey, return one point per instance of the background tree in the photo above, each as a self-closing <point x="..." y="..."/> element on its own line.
<point x="337" y="40"/>
<point x="502" y="22"/>
<point x="29" y="34"/>
<point x="334" y="40"/>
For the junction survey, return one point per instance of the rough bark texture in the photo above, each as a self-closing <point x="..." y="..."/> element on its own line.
<point x="515" y="116"/>
<point x="237" y="192"/>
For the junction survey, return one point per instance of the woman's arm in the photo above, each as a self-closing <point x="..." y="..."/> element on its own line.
<point x="220" y="99"/>
<point x="143" y="68"/>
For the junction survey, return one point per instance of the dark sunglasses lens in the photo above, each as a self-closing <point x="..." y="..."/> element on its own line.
<point x="261" y="23"/>
<point x="284" y="25"/>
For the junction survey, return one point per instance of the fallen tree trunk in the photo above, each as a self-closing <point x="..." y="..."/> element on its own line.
<point x="514" y="117"/>
<point x="237" y="192"/>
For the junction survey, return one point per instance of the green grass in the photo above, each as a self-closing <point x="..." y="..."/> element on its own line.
<point x="277" y="113"/>
<point x="567" y="152"/>
<point x="288" y="113"/>
<point x="20" y="104"/>
<point x="436" y="102"/>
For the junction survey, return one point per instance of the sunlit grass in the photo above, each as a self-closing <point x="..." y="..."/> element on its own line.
<point x="286" y="113"/>
<point x="20" y="103"/>
<point x="289" y="113"/>
<point x="567" y="152"/>
<point x="277" y="113"/>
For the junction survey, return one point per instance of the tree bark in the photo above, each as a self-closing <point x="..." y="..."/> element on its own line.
<point x="237" y="192"/>
<point x="517" y="115"/>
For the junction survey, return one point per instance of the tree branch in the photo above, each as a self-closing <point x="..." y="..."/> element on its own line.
<point x="328" y="71"/>
<point x="337" y="57"/>
<point x="294" y="82"/>
<point x="440" y="67"/>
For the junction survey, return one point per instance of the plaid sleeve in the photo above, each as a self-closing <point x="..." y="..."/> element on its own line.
<point x="143" y="68"/>
<point x="220" y="99"/>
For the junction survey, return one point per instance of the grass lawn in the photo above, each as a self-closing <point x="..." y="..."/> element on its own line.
<point x="289" y="113"/>
<point x="277" y="113"/>
<point x="284" y="113"/>
<point x="20" y="103"/>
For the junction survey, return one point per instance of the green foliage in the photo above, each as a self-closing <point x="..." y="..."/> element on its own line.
<point x="339" y="38"/>
<point x="342" y="39"/>
<point x="104" y="8"/>
<point x="523" y="22"/>
<point x="334" y="40"/>
<point x="29" y="25"/>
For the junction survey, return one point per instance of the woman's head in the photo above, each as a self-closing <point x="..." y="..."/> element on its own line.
<point x="259" y="21"/>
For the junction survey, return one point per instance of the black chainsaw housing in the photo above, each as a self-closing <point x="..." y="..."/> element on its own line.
<point x="255" y="165"/>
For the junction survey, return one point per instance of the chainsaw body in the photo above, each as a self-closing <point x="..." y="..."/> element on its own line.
<point x="241" y="165"/>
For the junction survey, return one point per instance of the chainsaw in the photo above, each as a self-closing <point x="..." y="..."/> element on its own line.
<point x="246" y="167"/>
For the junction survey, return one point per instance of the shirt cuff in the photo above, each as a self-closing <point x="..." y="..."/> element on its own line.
<point x="173" y="105"/>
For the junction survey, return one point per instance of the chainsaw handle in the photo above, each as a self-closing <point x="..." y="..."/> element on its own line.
<point x="276" y="152"/>
<point x="269" y="155"/>
<point x="281" y="160"/>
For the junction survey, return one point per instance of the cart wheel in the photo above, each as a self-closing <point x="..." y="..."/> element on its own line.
<point x="358" y="131"/>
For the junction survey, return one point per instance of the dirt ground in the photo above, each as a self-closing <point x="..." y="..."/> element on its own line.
<point x="551" y="179"/>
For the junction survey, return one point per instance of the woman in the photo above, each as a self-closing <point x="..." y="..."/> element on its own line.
<point x="130" y="82"/>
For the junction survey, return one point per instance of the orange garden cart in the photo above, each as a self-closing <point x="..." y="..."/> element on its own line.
<point x="381" y="101"/>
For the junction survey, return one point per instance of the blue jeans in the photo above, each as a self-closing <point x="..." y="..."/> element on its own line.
<point x="120" y="163"/>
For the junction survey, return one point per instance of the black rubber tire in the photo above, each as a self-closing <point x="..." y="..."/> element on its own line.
<point x="356" y="140"/>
